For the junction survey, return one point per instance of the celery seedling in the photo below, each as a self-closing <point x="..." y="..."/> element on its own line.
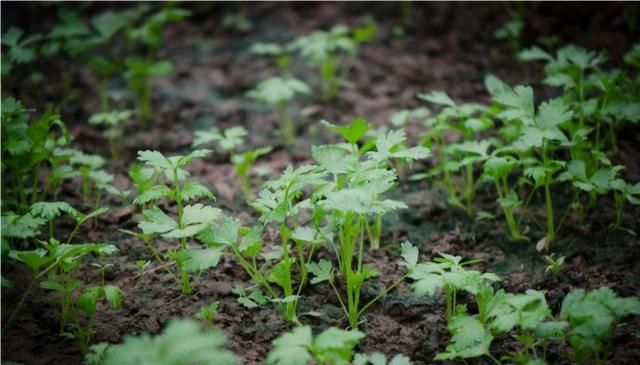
<point x="448" y="272"/>
<point x="114" y="130"/>
<point x="277" y="93"/>
<point x="208" y="313"/>
<point x="332" y="346"/>
<point x="321" y="50"/>
<point x="182" y="342"/>
<point x="278" y="203"/>
<point x="229" y="141"/>
<point x="465" y="120"/>
<point x="593" y="317"/>
<point x="191" y="219"/>
<point x="553" y="265"/>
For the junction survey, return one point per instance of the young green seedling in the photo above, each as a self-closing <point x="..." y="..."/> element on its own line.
<point x="182" y="342"/>
<point x="466" y="121"/>
<point x="208" y="313"/>
<point x="255" y="298"/>
<point x="449" y="273"/>
<point x="86" y="303"/>
<point x="593" y="317"/>
<point x="497" y="168"/>
<point x="113" y="122"/>
<point x="140" y="70"/>
<point x="539" y="135"/>
<point x="229" y="141"/>
<point x="25" y="149"/>
<point x="385" y="151"/>
<point x="278" y="204"/>
<point x="191" y="219"/>
<point x="21" y="50"/>
<point x="277" y="93"/>
<point x="322" y="49"/>
<point x="141" y="266"/>
<point x="623" y="192"/>
<point x="332" y="346"/>
<point x="554" y="265"/>
<point x="57" y="261"/>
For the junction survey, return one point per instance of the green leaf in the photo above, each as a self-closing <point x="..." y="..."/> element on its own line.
<point x="291" y="348"/>
<point x="88" y="299"/>
<point x="321" y="271"/>
<point x="113" y="295"/>
<point x="470" y="339"/>
<point x="277" y="90"/>
<point x="409" y="253"/>
<point x="335" y="346"/>
<point x="552" y="113"/>
<point x="154" y="193"/>
<point x="35" y="259"/>
<point x="224" y="232"/>
<point x="195" y="218"/>
<point x="353" y="132"/>
<point x="155" y="159"/>
<point x="50" y="210"/>
<point x="154" y="220"/>
<point x="198" y="260"/>
<point x="534" y="53"/>
<point x="437" y="97"/>
<point x="183" y="342"/>
<point x="193" y="190"/>
<point x="334" y="159"/>
<point x="25" y="226"/>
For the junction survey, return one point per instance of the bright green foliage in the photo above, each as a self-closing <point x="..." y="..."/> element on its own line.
<point x="593" y="317"/>
<point x="243" y="163"/>
<point x="386" y="150"/>
<point x="448" y="272"/>
<point x="191" y="219"/>
<point x="26" y="147"/>
<point x="230" y="141"/>
<point x="470" y="339"/>
<point x="497" y="168"/>
<point x="465" y="121"/>
<point x="277" y="93"/>
<point x="253" y="300"/>
<point x="526" y="311"/>
<point x="60" y="262"/>
<point x="182" y="342"/>
<point x="208" y="313"/>
<point x="332" y="346"/>
<point x="623" y="193"/>
<point x="554" y="265"/>
<point x="539" y="134"/>
<point x="20" y="49"/>
<point x="278" y="204"/>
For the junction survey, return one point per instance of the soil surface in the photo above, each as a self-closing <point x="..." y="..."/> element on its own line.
<point x="450" y="47"/>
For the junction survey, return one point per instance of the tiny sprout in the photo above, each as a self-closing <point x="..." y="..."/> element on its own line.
<point x="208" y="313"/>
<point x="141" y="266"/>
<point x="554" y="265"/>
